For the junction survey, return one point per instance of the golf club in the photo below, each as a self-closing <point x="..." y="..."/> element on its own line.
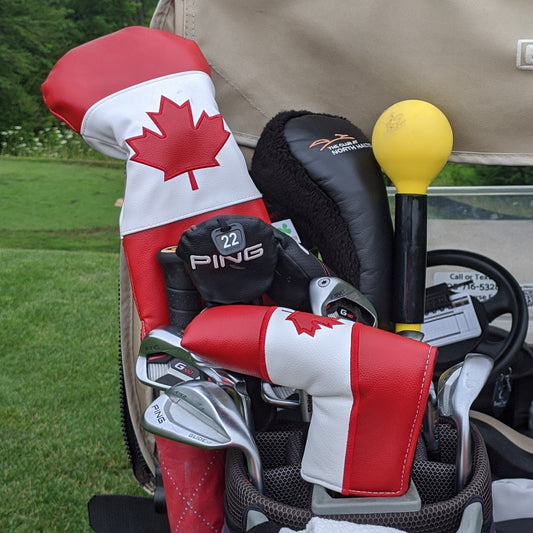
<point x="329" y="296"/>
<point x="472" y="378"/>
<point x="335" y="297"/>
<point x="166" y="340"/>
<point x="163" y="363"/>
<point x="430" y="426"/>
<point x="445" y="388"/>
<point x="201" y="414"/>
<point x="235" y="385"/>
<point x="279" y="395"/>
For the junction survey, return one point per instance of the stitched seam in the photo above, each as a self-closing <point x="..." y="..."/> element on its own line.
<point x="238" y="91"/>
<point x="189" y="507"/>
<point x="404" y="466"/>
<point x="262" y="343"/>
<point x="356" y="396"/>
<point x="154" y="81"/>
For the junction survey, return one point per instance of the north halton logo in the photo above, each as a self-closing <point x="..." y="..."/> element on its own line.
<point x="342" y="142"/>
<point x="181" y="146"/>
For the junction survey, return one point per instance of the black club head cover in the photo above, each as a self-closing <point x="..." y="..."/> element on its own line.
<point x="320" y="171"/>
<point x="295" y="269"/>
<point x="231" y="259"/>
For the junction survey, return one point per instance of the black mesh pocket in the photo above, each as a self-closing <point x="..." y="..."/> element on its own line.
<point x="287" y="498"/>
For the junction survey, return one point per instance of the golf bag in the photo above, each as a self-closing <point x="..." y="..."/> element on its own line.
<point x="121" y="122"/>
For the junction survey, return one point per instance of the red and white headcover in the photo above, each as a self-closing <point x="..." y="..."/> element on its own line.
<point x="369" y="387"/>
<point x="145" y="96"/>
<point x="161" y="116"/>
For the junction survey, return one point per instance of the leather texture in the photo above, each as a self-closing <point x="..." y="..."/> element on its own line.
<point x="141" y="88"/>
<point x="265" y="261"/>
<point x="239" y="276"/>
<point x="363" y="381"/>
<point x="295" y="269"/>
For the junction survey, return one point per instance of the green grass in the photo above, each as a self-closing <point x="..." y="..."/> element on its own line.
<point x="60" y="433"/>
<point x="60" y="205"/>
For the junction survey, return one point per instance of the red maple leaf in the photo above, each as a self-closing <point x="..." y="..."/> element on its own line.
<point x="181" y="146"/>
<point x="308" y="323"/>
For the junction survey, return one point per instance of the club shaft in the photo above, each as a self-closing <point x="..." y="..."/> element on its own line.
<point x="409" y="267"/>
<point x="464" y="453"/>
<point x="255" y="468"/>
<point x="430" y="424"/>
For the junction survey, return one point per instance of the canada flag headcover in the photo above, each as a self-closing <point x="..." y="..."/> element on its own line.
<point x="369" y="387"/>
<point x="146" y="96"/>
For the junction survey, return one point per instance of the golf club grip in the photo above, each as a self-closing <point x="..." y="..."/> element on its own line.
<point x="410" y="249"/>
<point x="183" y="299"/>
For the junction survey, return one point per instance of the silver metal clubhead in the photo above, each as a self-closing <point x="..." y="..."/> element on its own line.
<point x="235" y="386"/>
<point x="167" y="340"/>
<point x="279" y="395"/>
<point x="445" y="388"/>
<point x="163" y="362"/>
<point x="472" y="378"/>
<point x="335" y="297"/>
<point x="202" y="414"/>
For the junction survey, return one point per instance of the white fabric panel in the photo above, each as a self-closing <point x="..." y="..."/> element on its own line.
<point x="323" y="525"/>
<point x="110" y="122"/>
<point x="304" y="369"/>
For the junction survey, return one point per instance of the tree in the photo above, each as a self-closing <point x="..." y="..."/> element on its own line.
<point x="94" y="19"/>
<point x="499" y="175"/>
<point x="34" y="34"/>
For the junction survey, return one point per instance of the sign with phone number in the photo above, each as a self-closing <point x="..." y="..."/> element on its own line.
<point x="478" y="285"/>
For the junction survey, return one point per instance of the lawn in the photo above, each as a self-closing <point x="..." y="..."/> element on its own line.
<point x="60" y="431"/>
<point x="60" y="205"/>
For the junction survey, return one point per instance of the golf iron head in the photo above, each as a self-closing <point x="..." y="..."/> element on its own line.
<point x="334" y="297"/>
<point x="474" y="374"/>
<point x="445" y="388"/>
<point x="201" y="414"/>
<point x="279" y="395"/>
<point x="163" y="363"/>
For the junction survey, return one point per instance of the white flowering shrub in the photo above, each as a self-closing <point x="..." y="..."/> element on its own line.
<point x="54" y="142"/>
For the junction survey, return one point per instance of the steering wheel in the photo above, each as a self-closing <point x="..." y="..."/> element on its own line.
<point x="509" y="298"/>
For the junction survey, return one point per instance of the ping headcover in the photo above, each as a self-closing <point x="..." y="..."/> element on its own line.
<point x="320" y="171"/>
<point x="230" y="259"/>
<point x="146" y="96"/>
<point x="369" y="387"/>
<point x="235" y="259"/>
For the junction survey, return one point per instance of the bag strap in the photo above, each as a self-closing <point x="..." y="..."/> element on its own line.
<point x="125" y="514"/>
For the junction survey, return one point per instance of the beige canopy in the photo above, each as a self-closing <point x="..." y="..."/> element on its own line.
<point x="471" y="58"/>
